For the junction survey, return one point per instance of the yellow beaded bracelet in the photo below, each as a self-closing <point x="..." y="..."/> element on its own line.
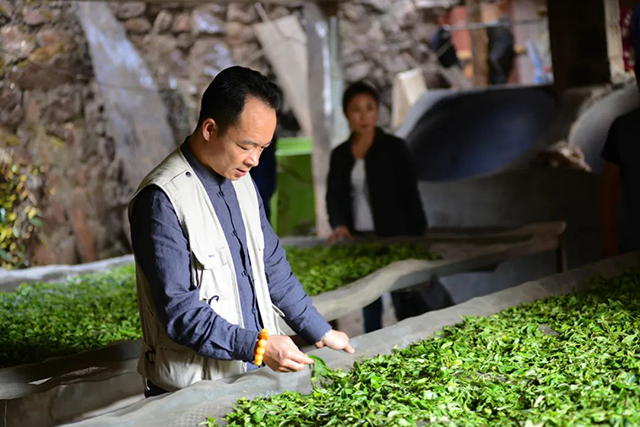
<point x="260" y="347"/>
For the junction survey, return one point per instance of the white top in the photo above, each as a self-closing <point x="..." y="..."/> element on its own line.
<point x="362" y="216"/>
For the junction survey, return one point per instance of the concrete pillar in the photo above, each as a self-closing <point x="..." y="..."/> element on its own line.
<point x="614" y="40"/>
<point x="323" y="64"/>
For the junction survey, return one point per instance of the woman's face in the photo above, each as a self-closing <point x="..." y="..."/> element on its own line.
<point x="362" y="113"/>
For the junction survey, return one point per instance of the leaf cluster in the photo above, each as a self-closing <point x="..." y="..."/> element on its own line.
<point x="19" y="213"/>
<point x="326" y="268"/>
<point x="44" y="320"/>
<point x="88" y="312"/>
<point x="563" y="361"/>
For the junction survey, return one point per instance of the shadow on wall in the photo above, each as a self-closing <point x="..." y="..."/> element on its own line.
<point x="473" y="133"/>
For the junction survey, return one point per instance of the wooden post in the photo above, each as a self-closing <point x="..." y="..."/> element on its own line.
<point x="614" y="40"/>
<point x="479" y="45"/>
<point x="579" y="45"/>
<point x="321" y="102"/>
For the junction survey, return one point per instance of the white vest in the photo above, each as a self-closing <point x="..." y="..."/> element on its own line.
<point x="167" y="364"/>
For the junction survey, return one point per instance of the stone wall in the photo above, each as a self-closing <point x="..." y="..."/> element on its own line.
<point x="53" y="111"/>
<point x="186" y="46"/>
<point x="52" y="116"/>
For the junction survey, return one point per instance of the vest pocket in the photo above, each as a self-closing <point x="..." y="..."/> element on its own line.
<point x="176" y="368"/>
<point x="226" y="308"/>
<point x="278" y="319"/>
<point x="213" y="275"/>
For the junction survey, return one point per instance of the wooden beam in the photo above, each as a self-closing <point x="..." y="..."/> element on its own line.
<point x="579" y="44"/>
<point x="479" y="45"/>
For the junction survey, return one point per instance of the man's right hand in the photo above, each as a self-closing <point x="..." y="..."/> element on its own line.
<point x="340" y="234"/>
<point x="282" y="355"/>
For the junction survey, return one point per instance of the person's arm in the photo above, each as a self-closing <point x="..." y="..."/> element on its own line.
<point x="162" y="251"/>
<point x="335" y="200"/>
<point x="288" y="295"/>
<point x="408" y="187"/>
<point x="609" y="197"/>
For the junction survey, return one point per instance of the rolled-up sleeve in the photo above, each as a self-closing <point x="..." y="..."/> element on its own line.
<point x="162" y="252"/>
<point x="286" y="291"/>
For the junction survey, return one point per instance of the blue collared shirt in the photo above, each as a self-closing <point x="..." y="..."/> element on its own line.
<point x="162" y="251"/>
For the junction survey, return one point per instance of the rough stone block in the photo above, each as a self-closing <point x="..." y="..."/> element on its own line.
<point x="55" y="36"/>
<point x="137" y="25"/>
<point x="35" y="17"/>
<point x="79" y="206"/>
<point x="11" y="112"/>
<point x="130" y="10"/>
<point x="181" y="23"/>
<point x="204" y="21"/>
<point x="208" y="57"/>
<point x="245" y="14"/>
<point x="163" y="22"/>
<point x="238" y="34"/>
<point x="18" y="44"/>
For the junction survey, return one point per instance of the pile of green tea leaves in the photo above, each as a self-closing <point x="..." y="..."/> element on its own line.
<point x="88" y="312"/>
<point x="563" y="361"/>
<point x="326" y="268"/>
<point x="45" y="320"/>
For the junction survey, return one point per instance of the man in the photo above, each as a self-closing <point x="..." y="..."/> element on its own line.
<point x="211" y="273"/>
<point x="621" y="172"/>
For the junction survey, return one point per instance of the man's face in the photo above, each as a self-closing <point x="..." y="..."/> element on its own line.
<point x="235" y="152"/>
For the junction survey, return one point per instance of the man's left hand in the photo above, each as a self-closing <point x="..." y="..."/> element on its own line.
<point x="336" y="340"/>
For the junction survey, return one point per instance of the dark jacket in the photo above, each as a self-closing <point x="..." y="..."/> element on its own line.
<point x="393" y="188"/>
<point x="265" y="175"/>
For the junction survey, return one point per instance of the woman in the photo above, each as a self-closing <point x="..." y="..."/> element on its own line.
<point x="372" y="187"/>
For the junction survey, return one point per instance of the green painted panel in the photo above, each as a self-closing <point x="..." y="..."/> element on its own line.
<point x="293" y="205"/>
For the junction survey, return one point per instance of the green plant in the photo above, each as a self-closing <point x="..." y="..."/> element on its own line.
<point x="326" y="268"/>
<point x="45" y="320"/>
<point x="563" y="361"/>
<point x="19" y="214"/>
<point x="88" y="312"/>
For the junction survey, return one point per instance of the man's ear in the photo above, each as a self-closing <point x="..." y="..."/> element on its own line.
<point x="209" y="129"/>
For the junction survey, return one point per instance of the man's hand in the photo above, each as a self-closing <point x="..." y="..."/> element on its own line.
<point x="336" y="340"/>
<point x="282" y="355"/>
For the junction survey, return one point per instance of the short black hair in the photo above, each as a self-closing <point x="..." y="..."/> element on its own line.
<point x="224" y="99"/>
<point x="356" y="89"/>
